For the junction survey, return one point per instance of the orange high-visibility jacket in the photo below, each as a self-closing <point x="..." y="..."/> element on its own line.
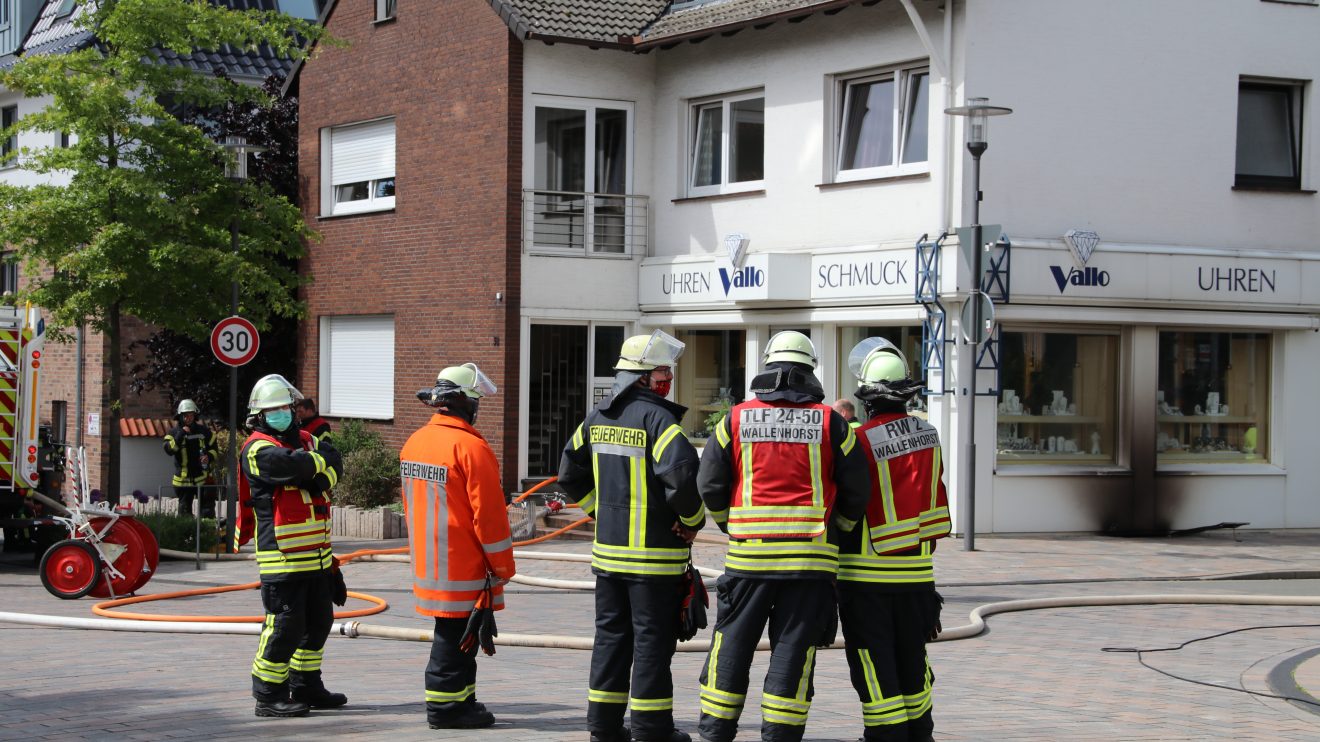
<point x="458" y="527"/>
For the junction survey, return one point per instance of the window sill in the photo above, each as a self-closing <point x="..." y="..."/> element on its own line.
<point x="1276" y="189"/>
<point x="877" y="179"/>
<point x="720" y="196"/>
<point x="346" y="215"/>
<point x="1060" y="470"/>
<point x="1262" y="469"/>
<point x="385" y="21"/>
<point x="339" y="418"/>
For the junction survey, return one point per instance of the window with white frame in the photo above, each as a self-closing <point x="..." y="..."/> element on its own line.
<point x="883" y="124"/>
<point x="1269" y="134"/>
<point x="385" y="9"/>
<point x="8" y="273"/>
<point x="358" y="168"/>
<point x="727" y="145"/>
<point x="357" y="366"/>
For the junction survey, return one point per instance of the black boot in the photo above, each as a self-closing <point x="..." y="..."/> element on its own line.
<point x="624" y="734"/>
<point x="471" y="717"/>
<point x="281" y="709"/>
<point x="319" y="698"/>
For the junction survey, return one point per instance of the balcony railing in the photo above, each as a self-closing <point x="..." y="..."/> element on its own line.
<point x="597" y="225"/>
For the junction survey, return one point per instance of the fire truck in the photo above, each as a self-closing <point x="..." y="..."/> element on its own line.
<point x="24" y="445"/>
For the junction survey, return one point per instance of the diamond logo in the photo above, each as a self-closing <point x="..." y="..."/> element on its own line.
<point x="736" y="245"/>
<point x="1082" y="243"/>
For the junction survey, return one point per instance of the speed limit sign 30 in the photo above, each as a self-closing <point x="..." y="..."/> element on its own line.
<point x="235" y="341"/>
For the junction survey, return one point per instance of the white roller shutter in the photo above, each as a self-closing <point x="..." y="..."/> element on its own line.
<point x="362" y="152"/>
<point x="357" y="366"/>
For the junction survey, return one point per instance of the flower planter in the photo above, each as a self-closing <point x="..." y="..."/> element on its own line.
<point x="380" y="523"/>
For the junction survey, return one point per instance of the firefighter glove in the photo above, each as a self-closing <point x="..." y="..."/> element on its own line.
<point x="692" y="607"/>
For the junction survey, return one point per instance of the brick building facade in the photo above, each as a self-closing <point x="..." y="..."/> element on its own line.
<point x="443" y="263"/>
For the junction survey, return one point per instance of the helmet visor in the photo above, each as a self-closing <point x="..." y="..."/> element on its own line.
<point x="662" y="349"/>
<point x="863" y="350"/>
<point x="482" y="386"/>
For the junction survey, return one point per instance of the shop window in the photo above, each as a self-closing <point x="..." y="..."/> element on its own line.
<point x="1213" y="398"/>
<point x="709" y="378"/>
<point x="1269" y="135"/>
<point x="357" y="366"/>
<point x="883" y="124"/>
<point x="727" y="146"/>
<point x="1058" y="403"/>
<point x="908" y="340"/>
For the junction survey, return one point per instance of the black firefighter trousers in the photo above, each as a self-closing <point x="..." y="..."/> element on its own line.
<point x="298" y="619"/>
<point x="451" y="673"/>
<point x="886" y="633"/>
<point x="801" y="614"/>
<point x="636" y="633"/>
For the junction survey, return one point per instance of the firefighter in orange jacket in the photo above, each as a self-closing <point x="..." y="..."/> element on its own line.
<point x="458" y="536"/>
<point x="887" y="601"/>
<point x="284" y="500"/>
<point x="779" y="472"/>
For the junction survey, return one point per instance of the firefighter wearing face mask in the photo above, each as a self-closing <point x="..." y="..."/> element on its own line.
<point x="458" y="536"/>
<point x="887" y="601"/>
<point x="630" y="466"/>
<point x="284" y="502"/>
<point x="779" y="473"/>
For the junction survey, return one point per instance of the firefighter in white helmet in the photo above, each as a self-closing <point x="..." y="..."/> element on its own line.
<point x="887" y="600"/>
<point x="459" y="541"/>
<point x="779" y="474"/>
<point x="284" y="500"/>
<point x="631" y="468"/>
<point x="192" y="445"/>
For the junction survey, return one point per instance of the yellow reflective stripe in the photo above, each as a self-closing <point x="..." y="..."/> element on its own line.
<point x="722" y="696"/>
<point x="817" y="485"/>
<point x="696" y="518"/>
<point x="331" y="475"/>
<point x="636" y="502"/>
<point x="805" y="683"/>
<point x="935" y="476"/>
<point x="770" y="700"/>
<point x="319" y="460"/>
<point x="627" y="551"/>
<point x="306" y="660"/>
<point x="722" y="432"/>
<point x="887" y="492"/>
<point x="588" y="503"/>
<point x="712" y="665"/>
<point x="304" y="527"/>
<point x="672" y="432"/>
<point x="439" y="696"/>
<point x="605" y="696"/>
<point x="720" y="516"/>
<point x="651" y="704"/>
<point x="804" y="564"/>
<point x="577" y="438"/>
<point x="712" y="709"/>
<point x="747" y="474"/>
<point x="868" y="673"/>
<point x="894" y="528"/>
<point x="777" y="529"/>
<point x="638" y="568"/>
<point x="256" y="446"/>
<point x="782" y="717"/>
<point x="849" y="441"/>
<point x="804" y="512"/>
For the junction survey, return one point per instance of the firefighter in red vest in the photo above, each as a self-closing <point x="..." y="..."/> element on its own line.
<point x="310" y="420"/>
<point x="778" y="473"/>
<point x="284" y="500"/>
<point x="458" y="536"/>
<point x="887" y="600"/>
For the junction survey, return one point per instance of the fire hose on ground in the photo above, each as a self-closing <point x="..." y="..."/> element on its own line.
<point x="158" y="623"/>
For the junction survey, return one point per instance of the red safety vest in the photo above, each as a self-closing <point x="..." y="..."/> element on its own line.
<point x="783" y="470"/>
<point x="297" y="537"/>
<point x="908" y="503"/>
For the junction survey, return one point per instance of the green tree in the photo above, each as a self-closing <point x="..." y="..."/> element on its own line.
<point x="135" y="220"/>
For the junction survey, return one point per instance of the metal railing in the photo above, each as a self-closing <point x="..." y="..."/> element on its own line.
<point x="602" y="225"/>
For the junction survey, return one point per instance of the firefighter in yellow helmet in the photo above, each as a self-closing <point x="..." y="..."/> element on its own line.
<point x="459" y="540"/>
<point x="631" y="468"/>
<point x="779" y="474"/>
<point x="192" y="444"/>
<point x="887" y="601"/>
<point x="284" y="500"/>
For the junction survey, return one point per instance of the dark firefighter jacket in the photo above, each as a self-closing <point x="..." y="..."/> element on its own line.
<point x="776" y="472"/>
<point x="318" y="427"/>
<point x="631" y="468"/>
<point x="187" y="447"/>
<point x="284" y="496"/>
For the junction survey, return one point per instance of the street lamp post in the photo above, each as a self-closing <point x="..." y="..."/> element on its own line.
<point x="978" y="112"/>
<point x="236" y="169"/>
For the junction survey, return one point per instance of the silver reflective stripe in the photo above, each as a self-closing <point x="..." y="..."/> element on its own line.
<point x="452" y="585"/>
<point x="454" y="605"/>
<point x="617" y="450"/>
<point x="437" y="522"/>
<point x="498" y="546"/>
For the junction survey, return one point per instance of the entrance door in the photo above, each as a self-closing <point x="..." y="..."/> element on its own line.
<point x="557" y="393"/>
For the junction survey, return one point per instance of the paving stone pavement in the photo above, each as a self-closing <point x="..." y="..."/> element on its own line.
<point x="1033" y="676"/>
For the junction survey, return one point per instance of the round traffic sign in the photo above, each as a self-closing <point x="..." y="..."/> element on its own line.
<point x="234" y="341"/>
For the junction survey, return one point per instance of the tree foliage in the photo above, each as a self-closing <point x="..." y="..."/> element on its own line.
<point x="141" y="225"/>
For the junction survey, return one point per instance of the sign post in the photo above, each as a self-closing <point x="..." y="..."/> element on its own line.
<point x="234" y="341"/>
